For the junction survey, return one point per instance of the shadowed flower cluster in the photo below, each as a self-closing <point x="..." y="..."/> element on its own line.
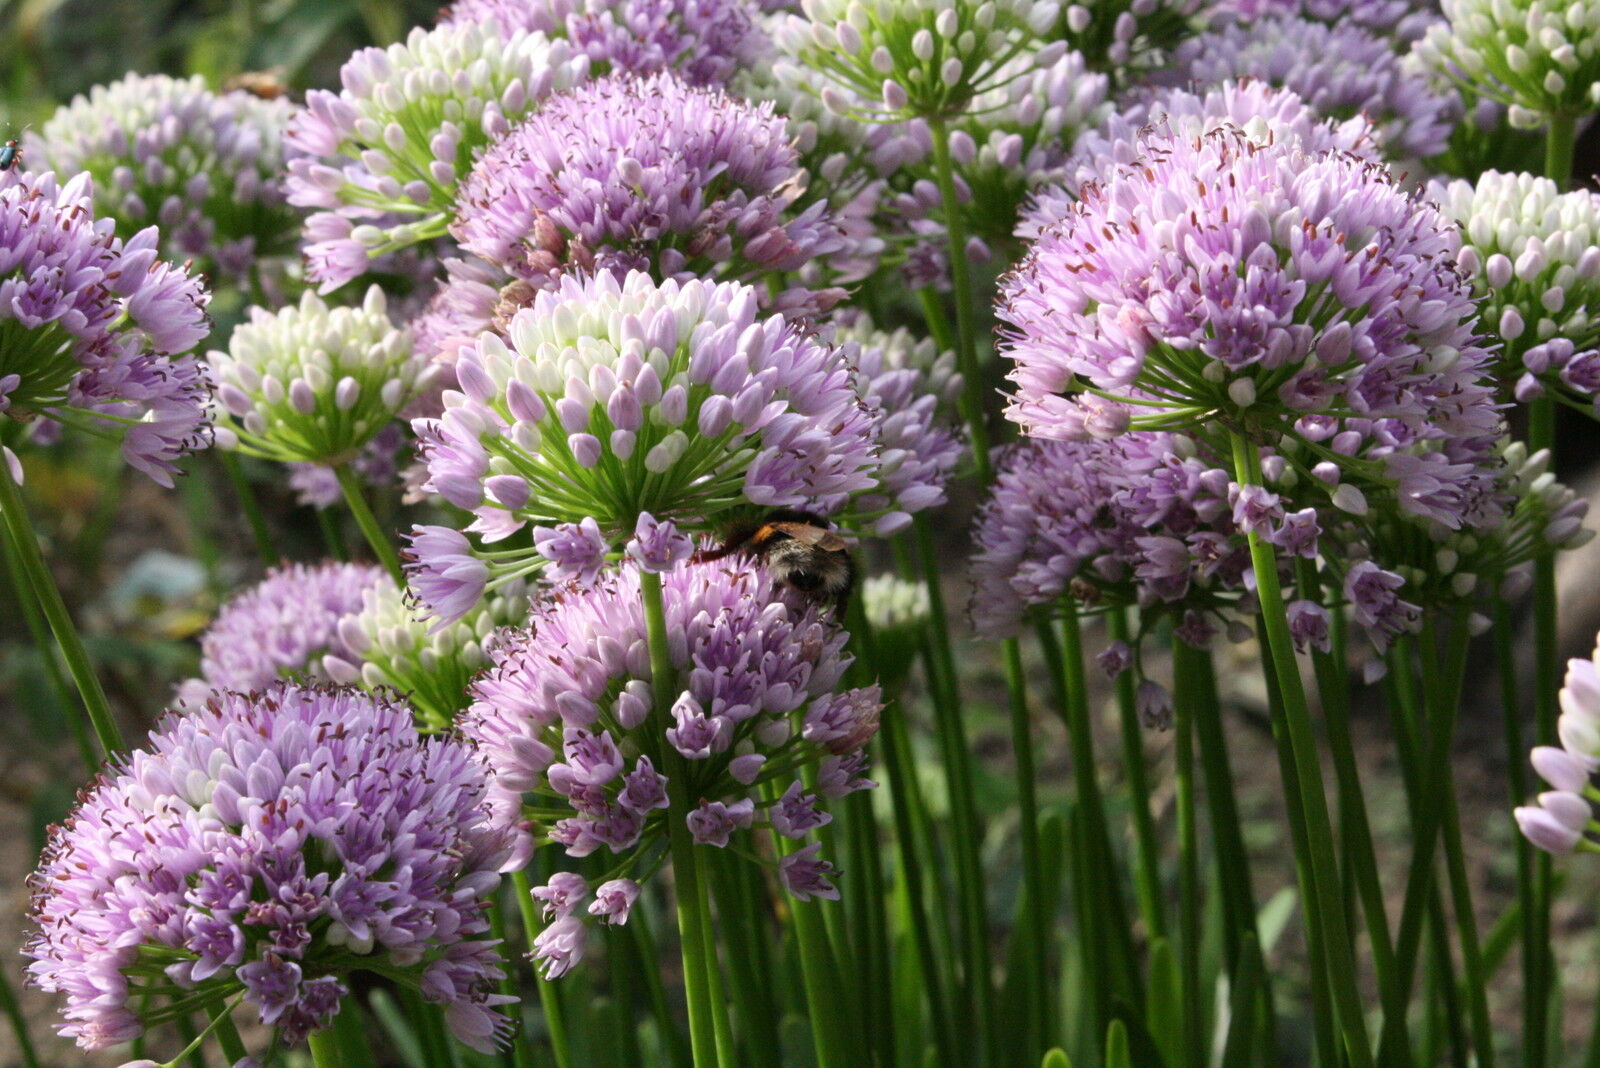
<point x="570" y="720"/>
<point x="95" y="331"/>
<point x="1563" y="819"/>
<point x="269" y="846"/>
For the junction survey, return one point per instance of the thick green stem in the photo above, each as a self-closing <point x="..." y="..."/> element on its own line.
<point x="39" y="631"/>
<point x="1546" y="677"/>
<point x="325" y="1049"/>
<point x="555" y="1019"/>
<point x="265" y="549"/>
<point x="332" y="536"/>
<point x="381" y="546"/>
<point x="1560" y="144"/>
<point x="1194" y="1043"/>
<point x="1030" y="938"/>
<point x="961" y="284"/>
<point x="1298" y="742"/>
<point x="25" y="550"/>
<point x="1517" y="774"/>
<point x="685" y="863"/>
<point x="1147" y="856"/>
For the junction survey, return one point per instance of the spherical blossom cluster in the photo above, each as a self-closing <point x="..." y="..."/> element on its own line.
<point x="570" y="720"/>
<point x="1534" y="256"/>
<point x="892" y="59"/>
<point x="1341" y="71"/>
<point x="704" y="41"/>
<point x="1539" y="57"/>
<point x="1404" y="20"/>
<point x="647" y="174"/>
<point x="614" y="398"/>
<point x="314" y="384"/>
<point x="1142" y="519"/>
<point x="387" y="646"/>
<point x="1115" y="34"/>
<point x="96" y="331"/>
<point x="1264" y="112"/>
<point x="1225" y="287"/>
<point x="1563" y="819"/>
<point x="914" y="389"/>
<point x="379" y="161"/>
<point x="206" y="166"/>
<point x="283" y="627"/>
<point x="270" y="845"/>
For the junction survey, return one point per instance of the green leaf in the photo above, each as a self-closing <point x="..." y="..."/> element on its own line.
<point x="1117" y="1052"/>
<point x="1274" y="917"/>
<point x="1164" y="1009"/>
<point x="1056" y="1058"/>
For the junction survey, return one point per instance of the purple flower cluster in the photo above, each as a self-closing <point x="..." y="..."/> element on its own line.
<point x="704" y="41"/>
<point x="1223" y="282"/>
<point x="1140" y="519"/>
<point x="621" y="397"/>
<point x="647" y="174"/>
<point x="206" y="165"/>
<point x="568" y="717"/>
<point x="1341" y="70"/>
<point x="1563" y="820"/>
<point x="97" y="330"/>
<point x="273" y="844"/>
<point x="1404" y="20"/>
<point x="282" y="628"/>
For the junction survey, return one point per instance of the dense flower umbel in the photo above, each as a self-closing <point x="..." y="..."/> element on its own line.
<point x="273" y="844"/>
<point x="564" y="718"/>
<point x="647" y="174"/>
<point x="381" y="159"/>
<point x="283" y="627"/>
<point x="389" y="647"/>
<point x="1137" y="520"/>
<point x="1405" y="20"/>
<point x="95" y="331"/>
<point x="204" y="165"/>
<point x="1223" y="285"/>
<point x="1563" y="820"/>
<point x="1540" y="57"/>
<point x="1342" y="71"/>
<point x="313" y="384"/>
<point x="1262" y="111"/>
<point x="1114" y="34"/>
<point x="1534" y="256"/>
<point x="615" y="398"/>
<point x="705" y="41"/>
<point x="901" y="59"/>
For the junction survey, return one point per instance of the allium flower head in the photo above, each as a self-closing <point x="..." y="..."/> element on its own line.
<point x="94" y="330"/>
<point x="1540" y="57"/>
<point x="272" y="844"/>
<point x="206" y="166"/>
<point x="283" y="627"/>
<point x="646" y="174"/>
<point x="913" y="389"/>
<point x="1404" y="20"/>
<point x="897" y="611"/>
<point x="1264" y="112"/>
<point x="386" y="645"/>
<point x="898" y="59"/>
<point x="704" y="41"/>
<point x="1534" y="256"/>
<point x="380" y="160"/>
<point x="1222" y="284"/>
<point x="565" y="718"/>
<point x="1342" y="71"/>
<point x="620" y="397"/>
<point x="1141" y="519"/>
<point x="1563" y="820"/>
<point x="314" y="384"/>
<point x="1114" y="34"/>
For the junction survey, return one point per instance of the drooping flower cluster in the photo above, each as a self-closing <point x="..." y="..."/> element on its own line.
<point x="1541" y="58"/>
<point x="614" y="398"/>
<point x="705" y="41"/>
<point x="647" y="174"/>
<point x="283" y="627"/>
<point x="1563" y="819"/>
<point x="96" y="331"/>
<point x="270" y="845"/>
<point x="569" y="719"/>
<point x="913" y="388"/>
<point x="313" y="384"/>
<point x="1222" y="285"/>
<point x="206" y="166"/>
<point x="893" y="60"/>
<point x="1534" y="256"/>
<point x="388" y="646"/>
<point x="1264" y="112"/>
<point x="379" y="161"/>
<point x="1341" y="71"/>
<point x="1142" y="519"/>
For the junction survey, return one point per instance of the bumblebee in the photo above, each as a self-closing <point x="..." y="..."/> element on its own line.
<point x="802" y="552"/>
<point x="266" y="84"/>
